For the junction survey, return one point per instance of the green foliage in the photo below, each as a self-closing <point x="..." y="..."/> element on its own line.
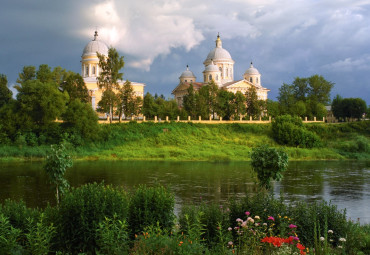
<point x="55" y="167"/>
<point x="8" y="237"/>
<point x="254" y="106"/>
<point x="76" y="88"/>
<point x="288" y="130"/>
<point x="112" y="236"/>
<point x="348" y="107"/>
<point x="81" y="212"/>
<point x="149" y="206"/>
<point x="80" y="119"/>
<point x="268" y="163"/>
<point x="39" y="235"/>
<point x="5" y="92"/>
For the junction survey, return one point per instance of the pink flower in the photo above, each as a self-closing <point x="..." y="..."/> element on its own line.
<point x="271" y="218"/>
<point x="292" y="226"/>
<point x="294" y="238"/>
<point x="247" y="213"/>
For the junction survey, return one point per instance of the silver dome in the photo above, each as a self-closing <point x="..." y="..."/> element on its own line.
<point x="187" y="73"/>
<point x="212" y="68"/>
<point x="95" y="46"/>
<point x="251" y="71"/>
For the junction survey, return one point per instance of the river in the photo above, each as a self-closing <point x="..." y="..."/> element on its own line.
<point x="344" y="183"/>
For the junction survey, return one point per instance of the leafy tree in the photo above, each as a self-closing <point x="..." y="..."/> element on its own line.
<point x="299" y="109"/>
<point x="76" y="87"/>
<point x="28" y="73"/>
<point x="5" y="92"/>
<point x="286" y="98"/>
<point x="81" y="119"/>
<point x="225" y="104"/>
<point x="44" y="73"/>
<point x="337" y="107"/>
<point x="55" y="167"/>
<point x="319" y="89"/>
<point x="240" y="106"/>
<point x="268" y="163"/>
<point x="272" y="108"/>
<point x="108" y="100"/>
<point x="149" y="106"/>
<point x="127" y="100"/>
<point x="110" y="67"/>
<point x="189" y="103"/>
<point x="348" y="107"/>
<point x="207" y="100"/>
<point x="300" y="88"/>
<point x="42" y="102"/>
<point x="253" y="104"/>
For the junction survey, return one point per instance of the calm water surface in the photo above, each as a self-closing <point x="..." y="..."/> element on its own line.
<point x="346" y="184"/>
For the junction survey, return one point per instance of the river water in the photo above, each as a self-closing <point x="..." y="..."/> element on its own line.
<point x="344" y="183"/>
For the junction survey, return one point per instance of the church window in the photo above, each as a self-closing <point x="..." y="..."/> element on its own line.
<point x="216" y="77"/>
<point x="210" y="77"/>
<point x="251" y="79"/>
<point x="227" y="72"/>
<point x="87" y="71"/>
<point x="257" y="80"/>
<point x="93" y="70"/>
<point x="205" y="77"/>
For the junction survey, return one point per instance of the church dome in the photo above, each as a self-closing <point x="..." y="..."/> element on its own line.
<point x="251" y="70"/>
<point x="187" y="73"/>
<point x="211" y="67"/>
<point x="218" y="53"/>
<point x="95" y="46"/>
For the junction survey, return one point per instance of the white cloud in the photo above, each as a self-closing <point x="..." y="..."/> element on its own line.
<point x="349" y="64"/>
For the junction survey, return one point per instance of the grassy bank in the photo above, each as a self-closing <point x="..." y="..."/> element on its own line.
<point x="201" y="142"/>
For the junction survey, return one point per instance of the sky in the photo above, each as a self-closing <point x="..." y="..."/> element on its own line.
<point x="285" y="39"/>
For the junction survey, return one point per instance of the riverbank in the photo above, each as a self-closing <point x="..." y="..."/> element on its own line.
<point x="201" y="142"/>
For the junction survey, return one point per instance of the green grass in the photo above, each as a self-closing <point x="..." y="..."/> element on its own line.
<point x="202" y="142"/>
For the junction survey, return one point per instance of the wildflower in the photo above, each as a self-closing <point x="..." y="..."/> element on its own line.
<point x="230" y="243"/>
<point x="340" y="247"/>
<point x="239" y="220"/>
<point x="229" y="228"/>
<point x="181" y="242"/>
<point x="244" y="224"/>
<point x="257" y="217"/>
<point x="264" y="224"/>
<point x="342" y="239"/>
<point x="250" y="219"/>
<point x="236" y="228"/>
<point x="331" y="240"/>
<point x="292" y="226"/>
<point x="322" y="239"/>
<point x="271" y="218"/>
<point x="330" y="231"/>
<point x="294" y="238"/>
<point x="285" y="217"/>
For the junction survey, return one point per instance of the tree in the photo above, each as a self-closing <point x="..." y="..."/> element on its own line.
<point x="225" y="104"/>
<point x="286" y="98"/>
<point x="349" y="107"/>
<point x="252" y="102"/>
<point x="189" y="103"/>
<point x="337" y="107"/>
<point x="75" y="86"/>
<point x="240" y="106"/>
<point x="268" y="163"/>
<point x="272" y="108"/>
<point x="5" y="92"/>
<point x="319" y="89"/>
<point x="207" y="97"/>
<point x="81" y="119"/>
<point x="109" y="76"/>
<point x="127" y="100"/>
<point x="149" y="106"/>
<point x="28" y="73"/>
<point x="42" y="102"/>
<point x="55" y="167"/>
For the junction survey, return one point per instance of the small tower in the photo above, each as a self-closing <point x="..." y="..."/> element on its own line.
<point x="252" y="75"/>
<point x="212" y="72"/>
<point x="187" y="76"/>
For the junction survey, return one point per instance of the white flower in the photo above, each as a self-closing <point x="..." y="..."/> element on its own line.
<point x="264" y="224"/>
<point x="340" y="247"/>
<point x="331" y="240"/>
<point x="230" y="243"/>
<point x="322" y="239"/>
<point x="229" y="228"/>
<point x="342" y="239"/>
<point x="257" y="217"/>
<point x="330" y="231"/>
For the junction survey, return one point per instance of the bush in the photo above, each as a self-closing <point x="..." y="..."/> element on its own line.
<point x="151" y="206"/>
<point x="288" y="130"/>
<point x="268" y="163"/>
<point x="8" y="237"/>
<point x="82" y="210"/>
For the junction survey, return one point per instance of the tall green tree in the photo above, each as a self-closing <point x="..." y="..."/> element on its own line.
<point x="149" y="107"/>
<point x="28" y="73"/>
<point x="286" y="98"/>
<point x="189" y="102"/>
<point x="273" y="109"/>
<point x="127" y="100"/>
<point x="252" y="102"/>
<point x="225" y="104"/>
<point x="41" y="102"/>
<point x="319" y="89"/>
<point x="207" y="100"/>
<point x="74" y="84"/>
<point x="240" y="105"/>
<point x="5" y="93"/>
<point x="56" y="164"/>
<point x="109" y="77"/>
<point x="348" y="107"/>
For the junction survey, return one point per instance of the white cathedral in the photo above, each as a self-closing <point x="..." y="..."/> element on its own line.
<point x="219" y="67"/>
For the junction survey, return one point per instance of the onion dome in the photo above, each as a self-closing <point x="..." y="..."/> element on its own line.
<point x="218" y="53"/>
<point x="187" y="73"/>
<point x="95" y="46"/>
<point x="252" y="71"/>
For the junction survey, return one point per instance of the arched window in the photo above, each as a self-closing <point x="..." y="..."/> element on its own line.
<point x="227" y="72"/>
<point x="257" y="80"/>
<point x="210" y="77"/>
<point x="87" y="71"/>
<point x="205" y="78"/>
<point x="251" y="79"/>
<point x="93" y="70"/>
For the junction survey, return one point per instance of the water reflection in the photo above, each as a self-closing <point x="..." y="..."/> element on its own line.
<point x="344" y="183"/>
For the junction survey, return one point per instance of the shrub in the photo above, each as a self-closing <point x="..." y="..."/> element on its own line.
<point x="268" y="163"/>
<point x="8" y="237"/>
<point x="288" y="130"/>
<point x="80" y="212"/>
<point x="149" y="206"/>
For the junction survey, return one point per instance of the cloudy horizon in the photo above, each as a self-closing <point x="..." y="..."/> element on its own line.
<point x="284" y="39"/>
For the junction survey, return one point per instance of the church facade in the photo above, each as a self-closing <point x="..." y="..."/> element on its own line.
<point x="90" y="71"/>
<point x="219" y="67"/>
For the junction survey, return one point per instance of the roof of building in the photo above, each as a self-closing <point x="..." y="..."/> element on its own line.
<point x="187" y="73"/>
<point x="251" y="70"/>
<point x="218" y="53"/>
<point x="95" y="46"/>
<point x="211" y="68"/>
